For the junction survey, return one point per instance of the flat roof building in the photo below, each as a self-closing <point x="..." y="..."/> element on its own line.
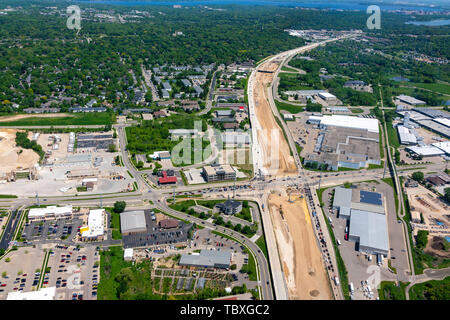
<point x="426" y="151"/>
<point x="369" y="229"/>
<point x="405" y="136"/>
<point x="128" y="254"/>
<point x="95" y="228"/>
<point x="368" y="124"/>
<point x="230" y="206"/>
<point x="410" y="100"/>
<point x="41" y="294"/>
<point x="218" y="172"/>
<point x="207" y="259"/>
<point x="50" y="212"/>
<point x="327" y="96"/>
<point x="368" y="224"/>
<point x="132" y="222"/>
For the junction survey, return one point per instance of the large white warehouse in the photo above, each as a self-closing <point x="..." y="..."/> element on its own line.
<point x="368" y="124"/>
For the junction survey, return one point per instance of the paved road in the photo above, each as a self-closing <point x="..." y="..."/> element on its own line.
<point x="10" y="229"/>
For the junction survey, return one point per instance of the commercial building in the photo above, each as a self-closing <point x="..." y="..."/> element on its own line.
<point x="168" y="223"/>
<point x="50" y="212"/>
<point x="41" y="294"/>
<point x="366" y="213"/>
<point x="217" y="172"/>
<point x="95" y="229"/>
<point x="132" y="222"/>
<point x="166" y="179"/>
<point x="207" y="259"/>
<point x="230" y="206"/>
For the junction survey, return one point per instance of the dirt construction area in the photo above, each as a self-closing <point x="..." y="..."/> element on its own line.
<point x="299" y="252"/>
<point x="24" y="116"/>
<point x="274" y="147"/>
<point x="12" y="157"/>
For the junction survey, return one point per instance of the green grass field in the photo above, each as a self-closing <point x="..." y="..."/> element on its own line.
<point x="389" y="291"/>
<point x="441" y="88"/>
<point x="431" y="290"/>
<point x="288" y="107"/>
<point x="97" y="118"/>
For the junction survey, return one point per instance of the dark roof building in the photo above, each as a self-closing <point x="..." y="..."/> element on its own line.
<point x="168" y="223"/>
<point x="230" y="206"/>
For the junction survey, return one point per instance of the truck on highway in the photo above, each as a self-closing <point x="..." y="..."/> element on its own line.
<point x="339" y="242"/>
<point x="329" y="219"/>
<point x="351" y="287"/>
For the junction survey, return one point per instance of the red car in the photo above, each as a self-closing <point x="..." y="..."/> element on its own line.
<point x="3" y="285"/>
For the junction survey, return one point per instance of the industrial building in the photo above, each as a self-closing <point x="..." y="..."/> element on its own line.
<point x="353" y="148"/>
<point x="369" y="230"/>
<point x="426" y="151"/>
<point x="207" y="259"/>
<point x="132" y="222"/>
<point x="433" y="120"/>
<point x="341" y="121"/>
<point x="367" y="219"/>
<point x="217" y="172"/>
<point x="406" y="136"/>
<point x="327" y="96"/>
<point x="95" y="229"/>
<point x="50" y="212"/>
<point x="230" y="206"/>
<point x="410" y="100"/>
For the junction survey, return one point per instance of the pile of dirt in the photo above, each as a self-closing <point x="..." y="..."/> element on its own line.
<point x="13" y="157"/>
<point x="438" y="247"/>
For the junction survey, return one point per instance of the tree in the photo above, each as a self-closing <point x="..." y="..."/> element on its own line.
<point x="119" y="206"/>
<point x="447" y="194"/>
<point x="418" y="176"/>
<point x="422" y="238"/>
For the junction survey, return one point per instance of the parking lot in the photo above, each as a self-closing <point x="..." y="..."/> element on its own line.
<point x="19" y="273"/>
<point x="156" y="235"/>
<point x="51" y="229"/>
<point x="73" y="271"/>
